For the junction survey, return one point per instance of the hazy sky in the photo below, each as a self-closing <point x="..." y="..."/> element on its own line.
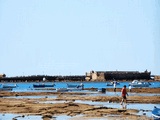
<point x="71" y="37"/>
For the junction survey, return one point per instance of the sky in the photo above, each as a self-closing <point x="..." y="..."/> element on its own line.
<point x="72" y="37"/>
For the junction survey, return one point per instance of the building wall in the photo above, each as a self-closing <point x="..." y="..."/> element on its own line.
<point x="117" y="75"/>
<point x="88" y="76"/>
<point x="157" y="77"/>
<point x="2" y="75"/>
<point x="94" y="76"/>
<point x="100" y="76"/>
<point x="126" y="75"/>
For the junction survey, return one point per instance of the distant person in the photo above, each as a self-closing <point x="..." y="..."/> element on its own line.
<point x="130" y="87"/>
<point x="44" y="79"/>
<point x="82" y="86"/>
<point x="124" y="93"/>
<point x="114" y="85"/>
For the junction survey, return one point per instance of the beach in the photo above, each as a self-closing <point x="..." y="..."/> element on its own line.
<point x="65" y="103"/>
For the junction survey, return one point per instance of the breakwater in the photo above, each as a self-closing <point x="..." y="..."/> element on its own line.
<point x="91" y="76"/>
<point x="40" y="78"/>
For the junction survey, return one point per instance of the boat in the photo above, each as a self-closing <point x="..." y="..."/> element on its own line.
<point x="112" y="83"/>
<point x="9" y="86"/>
<point x="75" y="89"/>
<point x="68" y="89"/>
<point x="136" y="83"/>
<point x="62" y="90"/>
<point x="109" y="84"/>
<point x="40" y="85"/>
<point x="156" y="113"/>
<point x="72" y="85"/>
<point x="69" y="86"/>
<point x="6" y="89"/>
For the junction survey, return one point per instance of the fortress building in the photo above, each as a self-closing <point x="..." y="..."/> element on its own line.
<point x="117" y="75"/>
<point x="2" y="75"/>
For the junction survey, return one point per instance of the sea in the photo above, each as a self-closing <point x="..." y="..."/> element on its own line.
<point x="26" y="87"/>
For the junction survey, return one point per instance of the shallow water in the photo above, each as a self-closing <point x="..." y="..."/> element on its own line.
<point x="19" y="117"/>
<point x="143" y="108"/>
<point x="89" y="93"/>
<point x="32" y="117"/>
<point x="130" y="94"/>
<point x="32" y="97"/>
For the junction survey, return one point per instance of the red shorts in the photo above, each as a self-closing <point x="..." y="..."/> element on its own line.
<point x="124" y="97"/>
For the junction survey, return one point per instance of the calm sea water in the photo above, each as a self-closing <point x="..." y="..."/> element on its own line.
<point x="29" y="86"/>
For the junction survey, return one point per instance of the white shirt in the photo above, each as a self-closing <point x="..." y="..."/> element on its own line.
<point x="114" y="85"/>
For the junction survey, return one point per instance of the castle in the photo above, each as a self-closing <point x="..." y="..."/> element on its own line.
<point x="117" y="75"/>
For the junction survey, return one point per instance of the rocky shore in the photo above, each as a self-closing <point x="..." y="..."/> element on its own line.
<point x="38" y="106"/>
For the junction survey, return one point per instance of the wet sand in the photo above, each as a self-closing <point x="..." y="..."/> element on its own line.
<point x="134" y="90"/>
<point x="138" y="90"/>
<point x="36" y="106"/>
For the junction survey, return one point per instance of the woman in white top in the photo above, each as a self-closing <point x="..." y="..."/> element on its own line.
<point x="114" y="85"/>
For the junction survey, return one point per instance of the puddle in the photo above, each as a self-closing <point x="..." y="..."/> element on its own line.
<point x="144" y="94"/>
<point x="32" y="97"/>
<point x="81" y="117"/>
<point x="33" y="90"/>
<point x="144" y="109"/>
<point x="130" y="94"/>
<point x="53" y="102"/>
<point x="63" y="117"/>
<point x="31" y="117"/>
<point x="19" y="117"/>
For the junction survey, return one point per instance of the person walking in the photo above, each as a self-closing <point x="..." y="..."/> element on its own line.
<point x="114" y="85"/>
<point x="124" y="93"/>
